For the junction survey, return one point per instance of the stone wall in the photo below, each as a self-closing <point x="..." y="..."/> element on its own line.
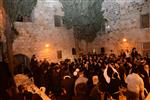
<point x="123" y="18"/>
<point x="41" y="37"/>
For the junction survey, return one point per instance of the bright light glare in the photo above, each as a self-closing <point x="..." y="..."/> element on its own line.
<point x="124" y="40"/>
<point x="47" y="45"/>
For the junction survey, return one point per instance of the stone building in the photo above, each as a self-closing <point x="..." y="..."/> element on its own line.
<point x="43" y="33"/>
<point x="127" y="26"/>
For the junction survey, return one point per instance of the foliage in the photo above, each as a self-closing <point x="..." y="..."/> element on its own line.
<point x="12" y="9"/>
<point x="16" y="8"/>
<point x="85" y="17"/>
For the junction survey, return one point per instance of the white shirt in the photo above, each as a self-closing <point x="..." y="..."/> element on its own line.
<point x="134" y="83"/>
<point x="127" y="54"/>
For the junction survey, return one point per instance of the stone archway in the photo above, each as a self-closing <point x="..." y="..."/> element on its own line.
<point x="21" y="64"/>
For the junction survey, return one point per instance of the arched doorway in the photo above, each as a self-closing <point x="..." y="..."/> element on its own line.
<point x="21" y="64"/>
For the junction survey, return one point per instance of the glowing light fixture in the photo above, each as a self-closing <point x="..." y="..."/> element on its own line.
<point x="47" y="45"/>
<point x="124" y="39"/>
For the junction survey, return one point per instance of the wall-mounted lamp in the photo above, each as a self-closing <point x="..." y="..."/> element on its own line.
<point x="124" y="39"/>
<point x="47" y="45"/>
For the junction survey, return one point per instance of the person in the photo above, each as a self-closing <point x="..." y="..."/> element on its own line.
<point x="23" y="94"/>
<point x="146" y="77"/>
<point x="96" y="93"/>
<point x="81" y="90"/>
<point x="135" y="86"/>
<point x="127" y="55"/>
<point x="112" y="54"/>
<point x="34" y="61"/>
<point x="134" y="54"/>
<point x="20" y="95"/>
<point x="113" y="88"/>
<point x="67" y="84"/>
<point x="56" y="81"/>
<point x="122" y="54"/>
<point x="80" y="79"/>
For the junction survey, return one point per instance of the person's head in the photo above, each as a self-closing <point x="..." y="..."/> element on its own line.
<point x="33" y="56"/>
<point x="127" y="50"/>
<point x="95" y="79"/>
<point x="81" y="74"/>
<point x="20" y="88"/>
<point x="134" y="49"/>
<point x="115" y="75"/>
<point x="134" y="70"/>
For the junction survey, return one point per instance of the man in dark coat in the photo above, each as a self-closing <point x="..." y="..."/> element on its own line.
<point x="96" y="93"/>
<point x="67" y="84"/>
<point x="113" y="87"/>
<point x="81" y="90"/>
<point x="146" y="77"/>
<point x="134" y="54"/>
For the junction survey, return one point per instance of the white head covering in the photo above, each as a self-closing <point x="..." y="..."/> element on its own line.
<point x="75" y="73"/>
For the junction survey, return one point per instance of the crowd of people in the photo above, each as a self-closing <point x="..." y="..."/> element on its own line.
<point x="93" y="77"/>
